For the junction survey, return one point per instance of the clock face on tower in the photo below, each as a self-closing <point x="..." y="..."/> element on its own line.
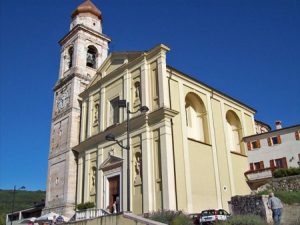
<point x="63" y="99"/>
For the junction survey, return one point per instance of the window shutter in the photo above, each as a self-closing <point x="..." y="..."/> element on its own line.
<point x="284" y="162"/>
<point x="258" y="143"/>
<point x="269" y="141"/>
<point x="261" y="165"/>
<point x="251" y="166"/>
<point x="249" y="146"/>
<point x="279" y="139"/>
<point x="297" y="135"/>
<point x="272" y="164"/>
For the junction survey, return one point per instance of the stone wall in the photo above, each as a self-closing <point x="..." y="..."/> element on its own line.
<point x="291" y="183"/>
<point x="251" y="205"/>
<point x="257" y="205"/>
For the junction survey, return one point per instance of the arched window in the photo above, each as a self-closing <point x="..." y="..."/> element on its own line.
<point x="234" y="129"/>
<point x="91" y="57"/>
<point x="196" y="118"/>
<point x="68" y="59"/>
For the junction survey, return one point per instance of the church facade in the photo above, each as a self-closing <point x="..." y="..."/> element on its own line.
<point x="184" y="152"/>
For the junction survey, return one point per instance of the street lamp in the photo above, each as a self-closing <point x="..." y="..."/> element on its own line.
<point x="13" y="202"/>
<point x="111" y="137"/>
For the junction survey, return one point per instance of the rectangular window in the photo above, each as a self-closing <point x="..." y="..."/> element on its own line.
<point x="114" y="111"/>
<point x="275" y="140"/>
<point x="259" y="165"/>
<point x="251" y="166"/>
<point x="297" y="135"/>
<point x="281" y="163"/>
<point x="255" y="144"/>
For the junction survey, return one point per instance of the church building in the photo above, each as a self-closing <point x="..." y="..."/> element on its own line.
<point x="131" y="133"/>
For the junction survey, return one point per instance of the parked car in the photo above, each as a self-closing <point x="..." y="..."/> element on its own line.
<point x="195" y="218"/>
<point x="213" y="215"/>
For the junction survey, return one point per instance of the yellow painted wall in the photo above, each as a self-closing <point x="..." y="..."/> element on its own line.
<point x="240" y="165"/>
<point x="202" y="176"/>
<point x="249" y="129"/>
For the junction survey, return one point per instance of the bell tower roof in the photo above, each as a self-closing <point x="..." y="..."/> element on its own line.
<point x="87" y="7"/>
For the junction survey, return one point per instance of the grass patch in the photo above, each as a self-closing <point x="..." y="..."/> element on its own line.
<point x="244" y="220"/>
<point x="287" y="197"/>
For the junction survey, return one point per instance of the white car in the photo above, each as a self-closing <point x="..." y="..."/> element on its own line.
<point x="213" y="215"/>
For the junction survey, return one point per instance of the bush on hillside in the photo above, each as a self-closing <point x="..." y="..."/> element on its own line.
<point x="286" y="172"/>
<point x="170" y="217"/>
<point x="86" y="205"/>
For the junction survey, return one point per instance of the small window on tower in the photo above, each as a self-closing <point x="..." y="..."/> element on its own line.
<point x="91" y="57"/>
<point x="70" y="63"/>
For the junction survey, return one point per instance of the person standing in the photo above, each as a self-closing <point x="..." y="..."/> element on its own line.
<point x="275" y="205"/>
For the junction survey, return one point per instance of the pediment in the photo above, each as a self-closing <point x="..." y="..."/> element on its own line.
<point x="111" y="162"/>
<point x="114" y="61"/>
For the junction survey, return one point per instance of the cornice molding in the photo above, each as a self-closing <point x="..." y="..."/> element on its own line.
<point x="61" y="82"/>
<point x="79" y="27"/>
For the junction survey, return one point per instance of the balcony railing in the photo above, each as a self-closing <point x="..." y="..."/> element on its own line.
<point x="90" y="214"/>
<point x="253" y="175"/>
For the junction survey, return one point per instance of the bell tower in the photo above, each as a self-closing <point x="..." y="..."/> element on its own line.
<point x="83" y="50"/>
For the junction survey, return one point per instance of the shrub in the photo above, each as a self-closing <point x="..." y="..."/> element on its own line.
<point x="181" y="219"/>
<point x="280" y="173"/>
<point x="244" y="220"/>
<point x="286" y="172"/>
<point x="170" y="217"/>
<point x="86" y="205"/>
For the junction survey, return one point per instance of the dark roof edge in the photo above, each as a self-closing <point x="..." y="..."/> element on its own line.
<point x="273" y="131"/>
<point x="222" y="93"/>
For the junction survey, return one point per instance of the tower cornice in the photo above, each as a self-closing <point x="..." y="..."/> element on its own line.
<point x="65" y="80"/>
<point x="79" y="27"/>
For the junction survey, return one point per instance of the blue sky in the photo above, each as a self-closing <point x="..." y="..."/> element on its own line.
<point x="248" y="49"/>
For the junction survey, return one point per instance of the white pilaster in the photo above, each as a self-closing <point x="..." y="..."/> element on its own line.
<point x="127" y="92"/>
<point x="163" y="82"/>
<point x="89" y="117"/>
<point x="86" y="178"/>
<point x="145" y="85"/>
<point x="99" y="183"/>
<point x="124" y="175"/>
<point x="253" y="124"/>
<point x="102" y="108"/>
<point x="80" y="179"/>
<point x="214" y="151"/>
<point x="244" y="131"/>
<point x="147" y="172"/>
<point x="186" y="156"/>
<point x="228" y="154"/>
<point x="83" y="122"/>
<point x="167" y="160"/>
